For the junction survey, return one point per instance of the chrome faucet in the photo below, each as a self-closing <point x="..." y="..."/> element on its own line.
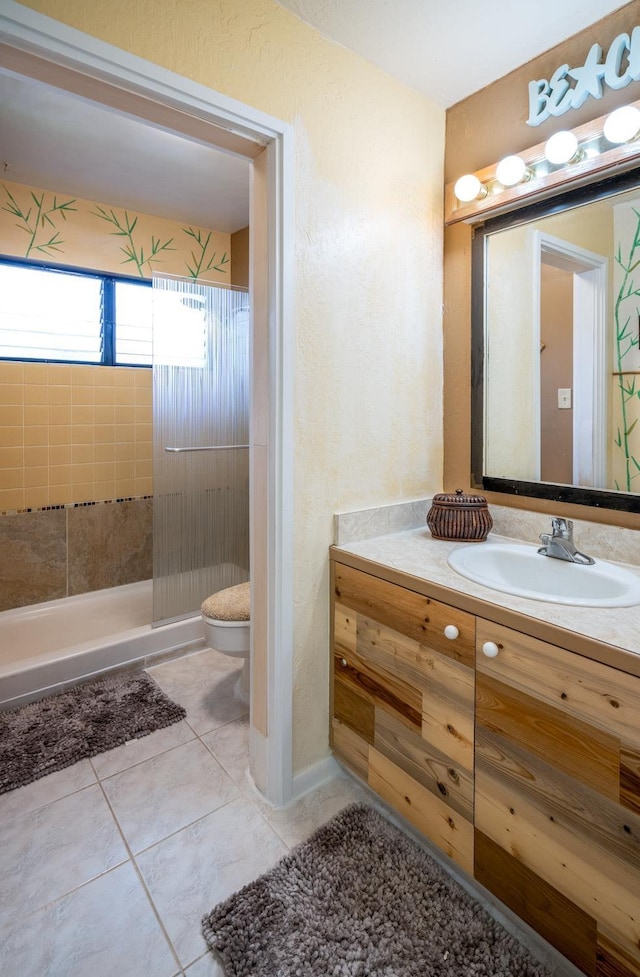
<point x="559" y="543"/>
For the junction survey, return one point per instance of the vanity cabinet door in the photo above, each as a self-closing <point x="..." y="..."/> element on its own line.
<point x="403" y="700"/>
<point x="557" y="796"/>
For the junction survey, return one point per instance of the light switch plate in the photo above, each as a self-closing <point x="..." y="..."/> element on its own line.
<point x="564" y="398"/>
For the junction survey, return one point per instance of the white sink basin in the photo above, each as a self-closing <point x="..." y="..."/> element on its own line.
<point x="516" y="568"/>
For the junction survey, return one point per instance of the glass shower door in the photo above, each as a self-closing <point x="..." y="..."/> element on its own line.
<point x="200" y="443"/>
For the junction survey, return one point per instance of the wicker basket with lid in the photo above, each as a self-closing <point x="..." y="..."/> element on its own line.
<point x="457" y="516"/>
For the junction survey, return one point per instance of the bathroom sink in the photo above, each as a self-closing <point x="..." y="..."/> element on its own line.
<point x="517" y="568"/>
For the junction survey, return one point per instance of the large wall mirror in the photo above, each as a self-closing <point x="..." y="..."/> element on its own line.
<point x="556" y="348"/>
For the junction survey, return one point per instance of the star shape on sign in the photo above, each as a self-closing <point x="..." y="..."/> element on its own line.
<point x="588" y="78"/>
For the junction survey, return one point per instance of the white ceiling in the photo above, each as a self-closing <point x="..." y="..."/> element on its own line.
<point x="61" y="142"/>
<point x="448" y="49"/>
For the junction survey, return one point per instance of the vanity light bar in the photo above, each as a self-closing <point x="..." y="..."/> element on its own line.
<point x="563" y="148"/>
<point x="512" y="170"/>
<point x="623" y="125"/>
<point x="469" y="188"/>
<point x="566" y="158"/>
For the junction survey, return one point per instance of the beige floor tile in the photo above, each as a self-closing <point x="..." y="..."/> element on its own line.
<point x="55" y="849"/>
<point x="165" y="793"/>
<point x="196" y="868"/>
<point x="207" y="966"/>
<point x="192" y="671"/>
<point x="209" y="707"/>
<point x="106" y="928"/>
<point x="190" y="810"/>
<point x="230" y="746"/>
<point x="47" y="789"/>
<point x="135" y="751"/>
<point x="204" y="683"/>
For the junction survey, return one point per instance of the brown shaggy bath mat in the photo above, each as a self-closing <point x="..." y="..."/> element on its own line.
<point x="53" y="733"/>
<point x="361" y="898"/>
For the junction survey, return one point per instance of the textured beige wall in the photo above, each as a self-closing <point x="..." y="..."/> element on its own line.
<point x="368" y="270"/>
<point x="510" y="393"/>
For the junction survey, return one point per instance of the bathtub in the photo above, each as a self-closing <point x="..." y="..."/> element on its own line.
<point x="46" y="647"/>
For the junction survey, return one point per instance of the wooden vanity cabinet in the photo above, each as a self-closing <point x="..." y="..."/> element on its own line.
<point x="551" y="824"/>
<point x="403" y="702"/>
<point x="557" y="796"/>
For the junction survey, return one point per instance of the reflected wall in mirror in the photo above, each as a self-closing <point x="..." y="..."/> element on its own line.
<point x="556" y="353"/>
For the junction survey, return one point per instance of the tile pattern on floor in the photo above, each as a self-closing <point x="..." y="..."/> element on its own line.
<point x="107" y="867"/>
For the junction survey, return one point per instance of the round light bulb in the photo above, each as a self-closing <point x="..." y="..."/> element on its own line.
<point x="561" y="148"/>
<point x="511" y="170"/>
<point x="468" y="188"/>
<point x="623" y="125"/>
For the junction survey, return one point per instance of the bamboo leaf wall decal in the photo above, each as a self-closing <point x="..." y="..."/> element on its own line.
<point x="124" y="227"/>
<point x="34" y="217"/>
<point x="39" y="216"/>
<point x="625" y="343"/>
<point x="200" y="263"/>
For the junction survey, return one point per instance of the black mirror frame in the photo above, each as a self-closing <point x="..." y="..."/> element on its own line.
<point x="622" y="501"/>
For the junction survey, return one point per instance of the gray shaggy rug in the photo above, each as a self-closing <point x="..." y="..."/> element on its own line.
<point x="53" y="733"/>
<point x="361" y="898"/>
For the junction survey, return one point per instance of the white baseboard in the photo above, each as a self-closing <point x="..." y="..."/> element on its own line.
<point x="314" y="776"/>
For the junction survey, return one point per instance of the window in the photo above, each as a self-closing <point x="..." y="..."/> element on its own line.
<point x="73" y="316"/>
<point x="132" y="323"/>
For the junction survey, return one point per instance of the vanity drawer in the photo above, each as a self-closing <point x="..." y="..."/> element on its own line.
<point x="417" y="617"/>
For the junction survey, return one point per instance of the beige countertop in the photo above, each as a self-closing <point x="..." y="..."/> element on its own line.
<point x="416" y="553"/>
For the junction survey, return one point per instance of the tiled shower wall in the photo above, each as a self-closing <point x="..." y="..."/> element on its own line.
<point x="73" y="434"/>
<point x="60" y="552"/>
<point x="75" y="479"/>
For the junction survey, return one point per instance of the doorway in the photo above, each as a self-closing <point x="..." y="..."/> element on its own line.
<point x="36" y="47"/>
<point x="570" y="296"/>
<point x="556" y="374"/>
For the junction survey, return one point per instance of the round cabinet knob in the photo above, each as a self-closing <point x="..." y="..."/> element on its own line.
<point x="490" y="649"/>
<point x="343" y="662"/>
<point x="451" y="632"/>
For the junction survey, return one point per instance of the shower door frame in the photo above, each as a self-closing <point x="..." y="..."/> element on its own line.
<point x="46" y="50"/>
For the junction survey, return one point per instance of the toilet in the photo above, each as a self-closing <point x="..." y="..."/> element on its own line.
<point x="226" y="617"/>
